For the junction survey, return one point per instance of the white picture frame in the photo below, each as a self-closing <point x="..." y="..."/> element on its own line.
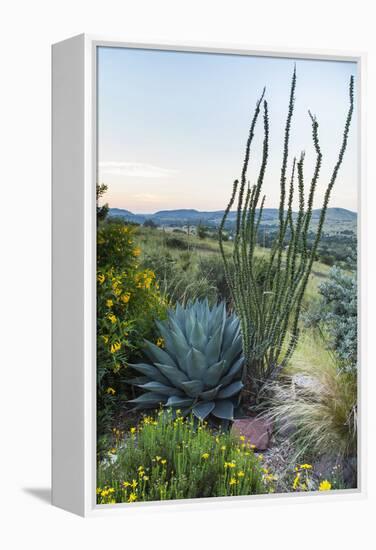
<point x="74" y="278"/>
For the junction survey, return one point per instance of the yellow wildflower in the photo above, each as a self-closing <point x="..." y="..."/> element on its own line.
<point x="125" y="298"/>
<point x="306" y="466"/>
<point x="230" y="464"/>
<point x="133" y="430"/>
<point x="109" y="303"/>
<point x="115" y="346"/>
<point x="111" y="391"/>
<point x="160" y="342"/>
<point x="136" y="251"/>
<point x="132" y="497"/>
<point x="233" y="481"/>
<point x="112" y="318"/>
<point x="205" y="456"/>
<point x="241" y="474"/>
<point x="296" y="481"/>
<point x="325" y="485"/>
<point x="242" y="438"/>
<point x="146" y="478"/>
<point x="163" y="461"/>
<point x="101" y="278"/>
<point x="158" y="458"/>
<point x="105" y="339"/>
<point x="126" y="484"/>
<point x="134" y="484"/>
<point x="223" y="448"/>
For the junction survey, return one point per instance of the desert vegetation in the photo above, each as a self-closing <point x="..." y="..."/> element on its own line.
<point x="227" y="361"/>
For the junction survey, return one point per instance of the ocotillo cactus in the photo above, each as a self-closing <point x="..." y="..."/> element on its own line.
<point x="269" y="314"/>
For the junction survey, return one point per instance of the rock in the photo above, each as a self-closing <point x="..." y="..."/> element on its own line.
<point x="325" y="468"/>
<point x="257" y="431"/>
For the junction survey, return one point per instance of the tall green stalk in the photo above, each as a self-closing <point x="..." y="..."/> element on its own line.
<point x="269" y="314"/>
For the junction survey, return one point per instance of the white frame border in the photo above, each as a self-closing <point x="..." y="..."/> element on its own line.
<point x="86" y="497"/>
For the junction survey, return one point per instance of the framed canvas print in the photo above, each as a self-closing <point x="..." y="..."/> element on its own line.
<point x="206" y="274"/>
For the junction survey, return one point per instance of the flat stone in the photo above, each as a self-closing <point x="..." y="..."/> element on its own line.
<point x="257" y="431"/>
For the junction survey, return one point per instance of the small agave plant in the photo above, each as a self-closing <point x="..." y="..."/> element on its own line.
<point x="200" y="368"/>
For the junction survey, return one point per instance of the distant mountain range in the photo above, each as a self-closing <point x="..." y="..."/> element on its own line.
<point x="183" y="216"/>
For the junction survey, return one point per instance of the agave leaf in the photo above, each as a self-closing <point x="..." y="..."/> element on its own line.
<point x="218" y="317"/>
<point x="230" y="332"/>
<point x="197" y="337"/>
<point x="208" y="395"/>
<point x="231" y="390"/>
<point x="175" y="326"/>
<point x="189" y="322"/>
<point x="174" y="375"/>
<point x="213" y="348"/>
<point x="202" y="410"/>
<point x="214" y="373"/>
<point x="137" y="380"/>
<point x="158" y="355"/>
<point x="151" y="372"/>
<point x="177" y="401"/>
<point x="180" y="317"/>
<point x="160" y="388"/>
<point x="233" y="372"/>
<point x="196" y="364"/>
<point x="193" y="387"/>
<point x="180" y="348"/>
<point x="224" y="409"/>
<point x="149" y="398"/>
<point x="233" y="351"/>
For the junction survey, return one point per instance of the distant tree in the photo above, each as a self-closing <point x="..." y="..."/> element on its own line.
<point x="201" y="231"/>
<point x="150" y="223"/>
<point x="102" y="211"/>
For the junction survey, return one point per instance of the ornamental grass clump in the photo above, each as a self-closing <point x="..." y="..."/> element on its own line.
<point x="174" y="457"/>
<point x="198" y="365"/>
<point x="316" y="403"/>
<point x="269" y="313"/>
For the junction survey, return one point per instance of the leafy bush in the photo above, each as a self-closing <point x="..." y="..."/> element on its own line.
<point x="176" y="242"/>
<point x="200" y="367"/>
<point x="340" y="314"/>
<point x="128" y="302"/>
<point x="174" y="458"/>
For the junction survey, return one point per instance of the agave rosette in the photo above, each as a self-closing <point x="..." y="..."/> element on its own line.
<point x="199" y="368"/>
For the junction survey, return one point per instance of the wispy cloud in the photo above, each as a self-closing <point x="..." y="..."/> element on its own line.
<point x="135" y="169"/>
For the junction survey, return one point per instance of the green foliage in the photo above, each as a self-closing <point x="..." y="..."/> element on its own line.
<point x="172" y="458"/>
<point x="102" y="211"/>
<point x="269" y="314"/>
<point x="200" y="367"/>
<point x="150" y="223"/>
<point x="128" y="302"/>
<point x="339" y="312"/>
<point x="202" y="231"/>
<point x="180" y="277"/>
<point x="176" y="242"/>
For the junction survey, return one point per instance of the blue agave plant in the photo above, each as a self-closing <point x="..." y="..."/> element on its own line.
<point x="199" y="369"/>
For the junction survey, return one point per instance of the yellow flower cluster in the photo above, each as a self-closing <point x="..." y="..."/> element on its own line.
<point x="144" y="279"/>
<point x="325" y="485"/>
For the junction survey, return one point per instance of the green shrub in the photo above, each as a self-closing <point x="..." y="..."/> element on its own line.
<point x="172" y="458"/>
<point x="128" y="302"/>
<point x="176" y="242"/>
<point x="200" y="367"/>
<point x="339" y="312"/>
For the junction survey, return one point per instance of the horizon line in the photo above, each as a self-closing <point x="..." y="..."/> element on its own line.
<point x="220" y="210"/>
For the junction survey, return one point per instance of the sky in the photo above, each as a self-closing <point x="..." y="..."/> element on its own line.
<point x="172" y="126"/>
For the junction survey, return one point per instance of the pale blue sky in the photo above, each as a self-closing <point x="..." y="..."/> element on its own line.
<point x="172" y="126"/>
